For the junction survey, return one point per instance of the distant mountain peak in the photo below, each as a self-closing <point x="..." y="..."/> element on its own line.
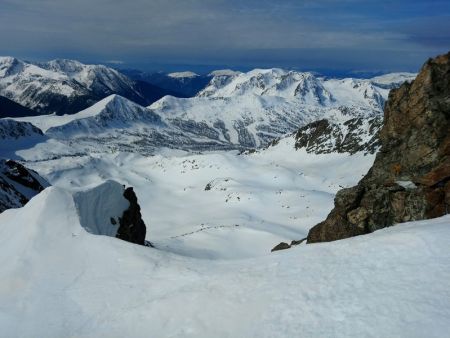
<point x="224" y="72"/>
<point x="64" y="86"/>
<point x="187" y="74"/>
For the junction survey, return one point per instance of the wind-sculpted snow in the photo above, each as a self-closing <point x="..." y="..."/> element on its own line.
<point x="99" y="208"/>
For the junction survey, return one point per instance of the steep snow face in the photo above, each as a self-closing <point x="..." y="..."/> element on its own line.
<point x="118" y="124"/>
<point x="53" y="271"/>
<point x="44" y="122"/>
<point x="112" y="113"/>
<point x="99" y="208"/>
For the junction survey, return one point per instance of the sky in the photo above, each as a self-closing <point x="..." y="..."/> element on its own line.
<point x="201" y="35"/>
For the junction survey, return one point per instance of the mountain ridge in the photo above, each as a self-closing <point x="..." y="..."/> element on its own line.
<point x="68" y="86"/>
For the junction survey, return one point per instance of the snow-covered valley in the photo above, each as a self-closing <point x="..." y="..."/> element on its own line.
<point x="213" y="219"/>
<point x="211" y="272"/>
<point x="221" y="178"/>
<point x="58" y="280"/>
<point x="220" y="204"/>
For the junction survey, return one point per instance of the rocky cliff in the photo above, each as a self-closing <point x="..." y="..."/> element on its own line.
<point x="410" y="178"/>
<point x="132" y="228"/>
<point x="18" y="184"/>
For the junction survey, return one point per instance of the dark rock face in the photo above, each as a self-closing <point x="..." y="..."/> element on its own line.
<point x="410" y="178"/>
<point x="10" y="108"/>
<point x="15" y="130"/>
<point x="281" y="246"/>
<point x="324" y="137"/>
<point x="132" y="228"/>
<point x="18" y="184"/>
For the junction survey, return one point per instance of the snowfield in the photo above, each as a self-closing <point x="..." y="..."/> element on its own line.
<point x="211" y="273"/>
<point x="213" y="218"/>
<point x="198" y="204"/>
<point x="57" y="280"/>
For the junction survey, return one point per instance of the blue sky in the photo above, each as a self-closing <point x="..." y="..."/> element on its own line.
<point x="325" y="35"/>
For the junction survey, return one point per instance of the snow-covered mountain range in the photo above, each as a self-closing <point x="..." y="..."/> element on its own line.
<point x="68" y="86"/>
<point x="211" y="265"/>
<point x="234" y="111"/>
<point x="213" y="217"/>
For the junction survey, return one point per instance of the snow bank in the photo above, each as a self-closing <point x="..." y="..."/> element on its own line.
<point x="99" y="208"/>
<point x="57" y="280"/>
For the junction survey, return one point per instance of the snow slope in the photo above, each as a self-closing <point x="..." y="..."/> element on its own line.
<point x="98" y="206"/>
<point x="117" y="124"/>
<point x="393" y="80"/>
<point x="59" y="280"/>
<point x="254" y="201"/>
<point x="213" y="218"/>
<point x="16" y="135"/>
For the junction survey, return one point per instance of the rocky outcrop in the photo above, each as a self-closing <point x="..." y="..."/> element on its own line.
<point x="410" y="178"/>
<point x="132" y="228"/>
<point x="11" y="130"/>
<point x="110" y="209"/>
<point x="281" y="246"/>
<point x="10" y="108"/>
<point x="18" y="184"/>
<point x="352" y="136"/>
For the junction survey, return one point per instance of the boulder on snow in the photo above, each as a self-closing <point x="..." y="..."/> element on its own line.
<point x="354" y="135"/>
<point x="415" y="148"/>
<point x="281" y="246"/>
